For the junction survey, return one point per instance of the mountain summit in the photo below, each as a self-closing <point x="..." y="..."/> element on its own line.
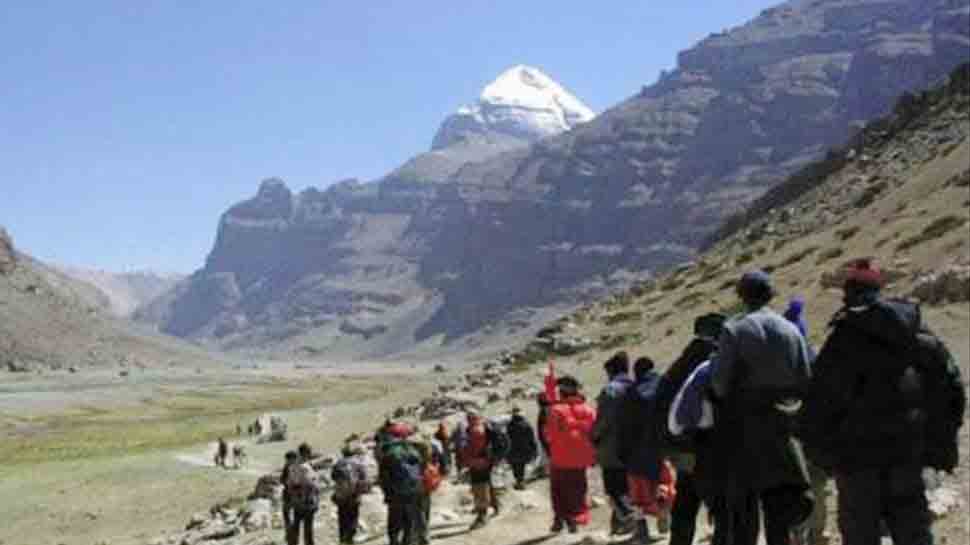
<point x="522" y="102"/>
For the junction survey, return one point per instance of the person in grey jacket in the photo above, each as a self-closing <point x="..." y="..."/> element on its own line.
<point x="759" y="375"/>
<point x="609" y="406"/>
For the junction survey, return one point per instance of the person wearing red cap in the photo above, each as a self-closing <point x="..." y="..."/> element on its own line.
<point x="864" y="414"/>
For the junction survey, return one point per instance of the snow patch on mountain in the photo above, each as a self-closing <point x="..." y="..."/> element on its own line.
<point x="522" y="103"/>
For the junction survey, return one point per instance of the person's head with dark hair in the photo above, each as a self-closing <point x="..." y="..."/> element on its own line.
<point x="291" y="456"/>
<point x="863" y="282"/>
<point x="642" y="367"/>
<point x="305" y="451"/>
<point x="709" y="326"/>
<point x="568" y="385"/>
<point x="755" y="290"/>
<point x="618" y="364"/>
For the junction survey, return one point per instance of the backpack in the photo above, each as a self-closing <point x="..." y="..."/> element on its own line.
<point x="944" y="400"/>
<point x="346" y="479"/>
<point x="431" y="478"/>
<point x="301" y="487"/>
<point x="403" y="468"/>
<point x="498" y="442"/>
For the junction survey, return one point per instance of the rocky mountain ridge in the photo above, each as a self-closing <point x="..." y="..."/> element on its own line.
<point x="451" y="243"/>
<point x="50" y="321"/>
<point x="123" y="293"/>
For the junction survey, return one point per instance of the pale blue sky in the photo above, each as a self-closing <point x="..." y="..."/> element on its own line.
<point x="128" y="127"/>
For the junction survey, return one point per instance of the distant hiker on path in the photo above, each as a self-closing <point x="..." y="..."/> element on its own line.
<point x="650" y="479"/>
<point x="443" y="436"/>
<point x="222" y="453"/>
<point x="571" y="451"/>
<point x="759" y="372"/>
<point x="687" y="505"/>
<point x="523" y="447"/>
<point x="303" y="491"/>
<point x="350" y="479"/>
<point x="606" y="437"/>
<point x="291" y="458"/>
<point x="885" y="401"/>
<point x="481" y="454"/>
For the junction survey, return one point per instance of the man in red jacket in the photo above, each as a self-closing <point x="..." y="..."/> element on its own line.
<point x="571" y="451"/>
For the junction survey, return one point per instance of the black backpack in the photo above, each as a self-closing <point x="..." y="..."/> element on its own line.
<point x="498" y="442"/>
<point x="944" y="399"/>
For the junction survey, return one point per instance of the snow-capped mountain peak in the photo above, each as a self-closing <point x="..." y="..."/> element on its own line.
<point x="522" y="103"/>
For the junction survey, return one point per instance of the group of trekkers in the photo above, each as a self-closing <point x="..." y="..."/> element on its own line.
<point x="752" y="422"/>
<point x="748" y="421"/>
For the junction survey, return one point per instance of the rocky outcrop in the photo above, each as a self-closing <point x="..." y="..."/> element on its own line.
<point x="8" y="258"/>
<point x="459" y="237"/>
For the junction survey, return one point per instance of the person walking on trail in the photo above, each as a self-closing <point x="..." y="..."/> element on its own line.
<point x="443" y="437"/>
<point x="758" y="374"/>
<point x="886" y="401"/>
<point x="606" y="437"/>
<point x="795" y="313"/>
<point x="291" y="458"/>
<point x="479" y="455"/>
<point x="523" y="447"/>
<point x="435" y="469"/>
<point x="707" y="329"/>
<point x="571" y="451"/>
<point x="222" y="453"/>
<point x="351" y="482"/>
<point x="401" y="478"/>
<point x="650" y="480"/>
<point x="542" y="468"/>
<point x="303" y="491"/>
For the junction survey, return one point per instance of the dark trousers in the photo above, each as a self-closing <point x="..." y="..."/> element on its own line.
<point x="896" y="496"/>
<point x="518" y="471"/>
<point x="684" y="513"/>
<point x="304" y="518"/>
<point x="405" y="521"/>
<point x="348" y="515"/>
<point x="615" y="483"/>
<point x="735" y="523"/>
<point x="742" y="519"/>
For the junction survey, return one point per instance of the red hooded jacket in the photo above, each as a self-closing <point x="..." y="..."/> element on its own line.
<point x="568" y="431"/>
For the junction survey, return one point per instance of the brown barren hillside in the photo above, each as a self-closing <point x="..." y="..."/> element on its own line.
<point x="49" y="322"/>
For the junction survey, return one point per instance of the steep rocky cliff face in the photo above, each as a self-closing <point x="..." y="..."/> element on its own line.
<point x="457" y="238"/>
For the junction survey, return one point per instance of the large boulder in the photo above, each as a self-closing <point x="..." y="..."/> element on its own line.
<point x="950" y="285"/>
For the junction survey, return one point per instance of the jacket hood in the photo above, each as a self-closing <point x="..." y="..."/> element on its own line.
<point x="646" y="387"/>
<point x="889" y="321"/>
<point x="617" y="386"/>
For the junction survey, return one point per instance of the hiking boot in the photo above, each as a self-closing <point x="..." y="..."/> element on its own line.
<point x="497" y="507"/>
<point x="557" y="526"/>
<point x="625" y="525"/>
<point x="663" y="524"/>
<point x="573" y="527"/>
<point x="519" y="485"/>
<point x="480" y="521"/>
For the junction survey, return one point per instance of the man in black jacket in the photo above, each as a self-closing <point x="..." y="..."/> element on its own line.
<point x="523" y="448"/>
<point x="707" y="329"/>
<point x="860" y="419"/>
<point x="606" y="432"/>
